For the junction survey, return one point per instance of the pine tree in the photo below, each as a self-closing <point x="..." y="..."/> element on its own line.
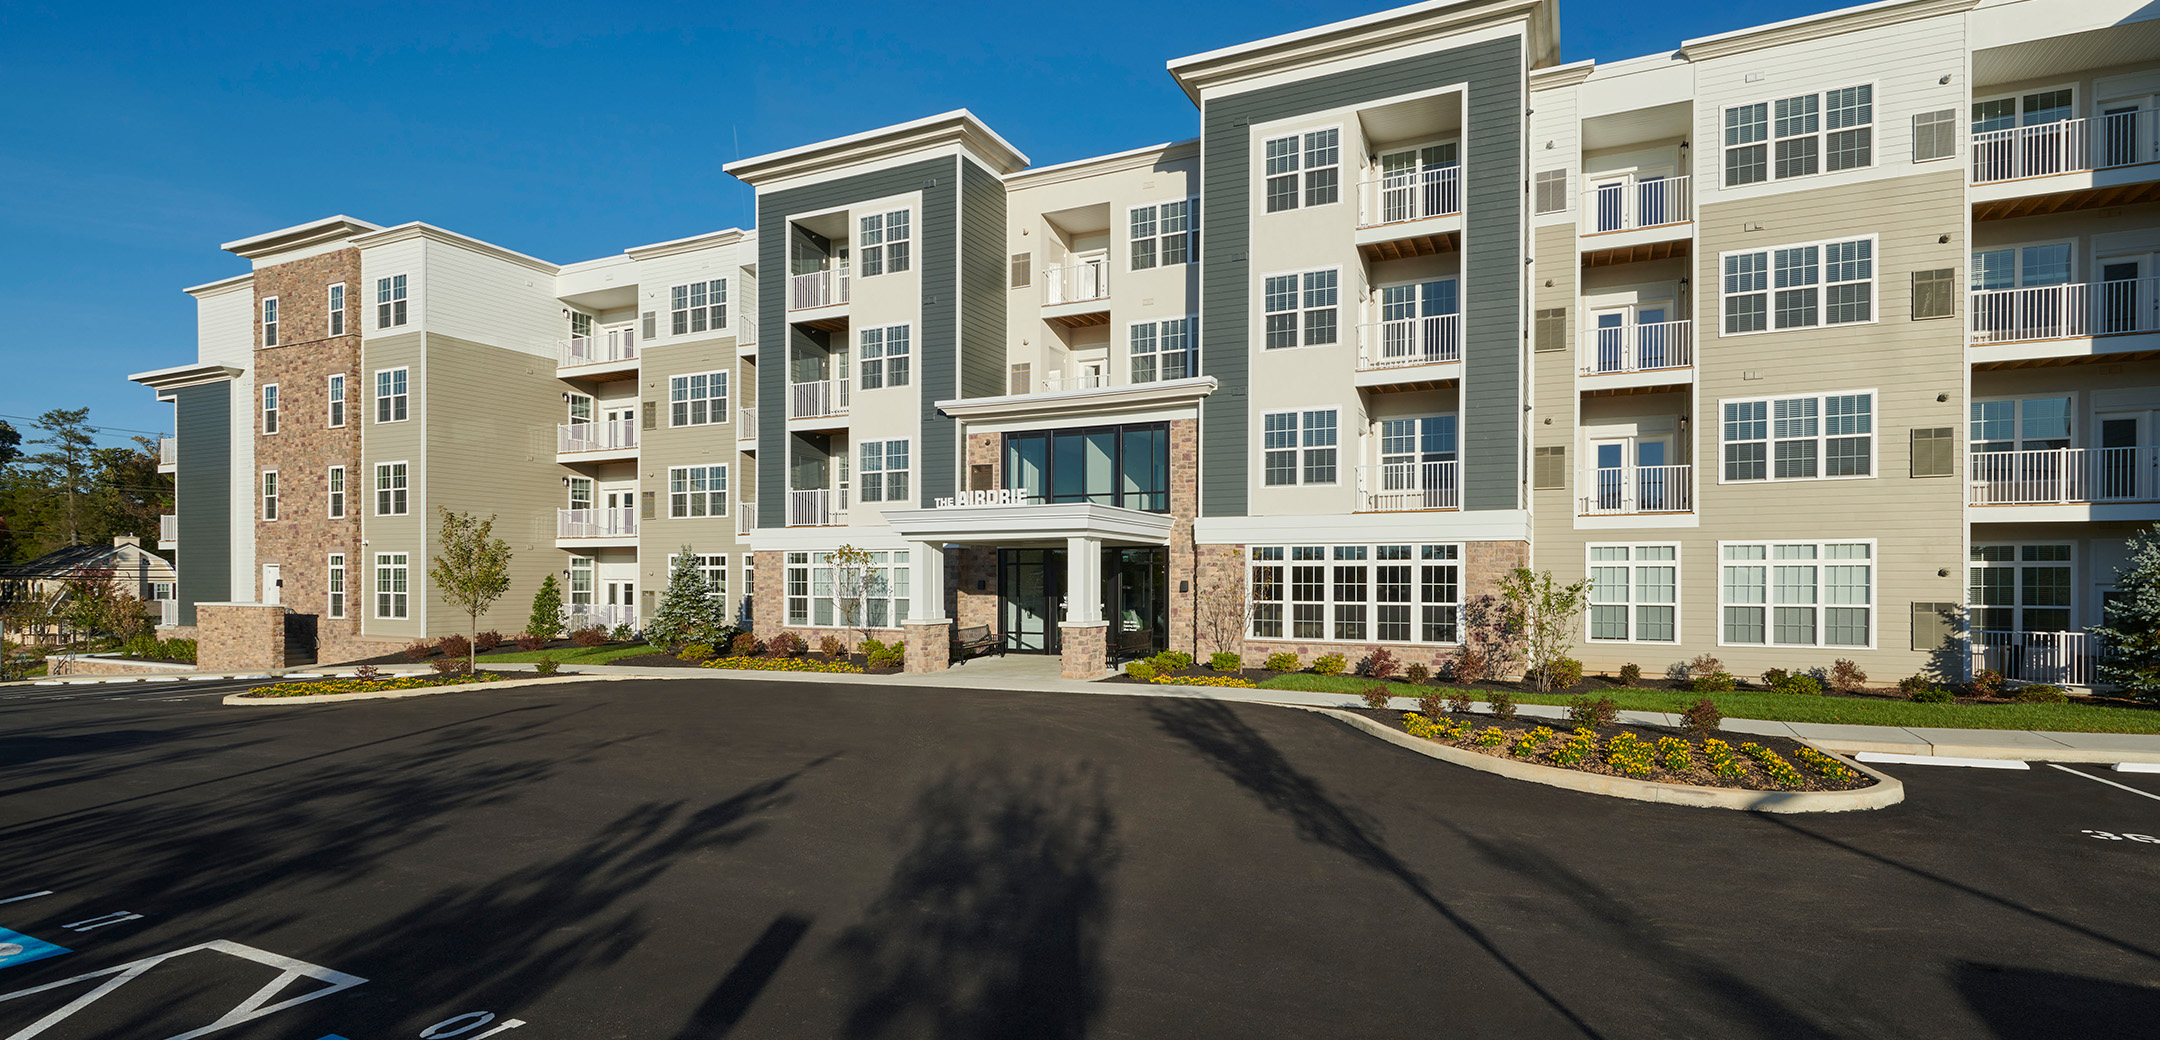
<point x="546" y="619"/>
<point x="688" y="607"/>
<point x="2130" y="637"/>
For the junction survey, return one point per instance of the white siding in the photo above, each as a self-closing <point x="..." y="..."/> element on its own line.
<point x="483" y="299"/>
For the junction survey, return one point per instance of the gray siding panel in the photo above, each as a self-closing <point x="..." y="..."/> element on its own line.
<point x="940" y="359"/>
<point x="982" y="282"/>
<point x="202" y="482"/>
<point x="1492" y="261"/>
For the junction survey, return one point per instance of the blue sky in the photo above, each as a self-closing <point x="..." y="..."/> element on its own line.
<point x="145" y="134"/>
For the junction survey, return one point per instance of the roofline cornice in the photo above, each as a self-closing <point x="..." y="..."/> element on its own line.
<point x="221" y="286"/>
<point x="185" y="375"/>
<point x="728" y="236"/>
<point x="299" y="236"/>
<point x="421" y="230"/>
<point x="1099" y="399"/>
<point x="959" y="126"/>
<point x="1560" y="77"/>
<point x="1116" y="162"/>
<point x="1816" y="27"/>
<point x="1368" y="34"/>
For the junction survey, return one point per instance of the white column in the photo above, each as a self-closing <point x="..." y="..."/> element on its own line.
<point x="1083" y="580"/>
<point x="926" y="581"/>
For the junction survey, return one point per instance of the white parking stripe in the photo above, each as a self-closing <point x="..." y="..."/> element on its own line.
<point x="2137" y="767"/>
<point x="2104" y="780"/>
<point x="1941" y="760"/>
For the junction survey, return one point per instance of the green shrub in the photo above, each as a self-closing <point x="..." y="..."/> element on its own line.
<point x="546" y="666"/>
<point x="1794" y="683"/>
<point x="1503" y="704"/>
<point x="695" y="652"/>
<point x="1631" y="673"/>
<point x="871" y="645"/>
<point x="1932" y="695"/>
<point x="1771" y="677"/>
<point x="1986" y="682"/>
<point x="1329" y="664"/>
<point x="1702" y="717"/>
<point x="1593" y="711"/>
<point x="1141" y="670"/>
<point x="1715" y="682"/>
<point x="1225" y="661"/>
<point x="1283" y="662"/>
<point x="182" y="650"/>
<point x="2040" y="693"/>
<point x="1563" y="673"/>
<point x="892" y="656"/>
<point x="1416" y="674"/>
<point x="1171" y="661"/>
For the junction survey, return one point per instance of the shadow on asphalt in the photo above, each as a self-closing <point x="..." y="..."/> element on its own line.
<point x="729" y="1001"/>
<point x="2023" y="1004"/>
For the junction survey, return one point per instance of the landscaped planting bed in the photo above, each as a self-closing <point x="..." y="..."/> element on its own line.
<point x="321" y="687"/>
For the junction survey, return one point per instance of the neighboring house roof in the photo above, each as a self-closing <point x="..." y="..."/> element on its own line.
<point x="76" y="560"/>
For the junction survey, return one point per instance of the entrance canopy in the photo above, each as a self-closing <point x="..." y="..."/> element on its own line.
<point x="1017" y="525"/>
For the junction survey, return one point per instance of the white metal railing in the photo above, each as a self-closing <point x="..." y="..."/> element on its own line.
<point x="617" y="344"/>
<point x="168" y="451"/>
<point x="1638" y="348"/>
<point x="746" y="424"/>
<point x="2061" y="658"/>
<point x="2065" y="146"/>
<point x="1435" y="191"/>
<point x="1396" y="487"/>
<point x="2051" y="476"/>
<point x="168" y="612"/>
<point x="1633" y="202"/>
<point x="1410" y="341"/>
<point x="1086" y="381"/>
<point x="817" y="507"/>
<point x="1638" y="489"/>
<point x="817" y="288"/>
<point x="603" y="615"/>
<point x="606" y="435"/>
<point x="1076" y="283"/>
<point x="745" y="518"/>
<point x="618" y="522"/>
<point x="168" y="528"/>
<point x="2063" y="311"/>
<point x="818" y="397"/>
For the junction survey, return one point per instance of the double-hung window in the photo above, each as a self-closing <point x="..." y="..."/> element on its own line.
<point x="269" y="321"/>
<point x="1301" y="308"/>
<point x="697" y="491"/>
<point x="696" y="307"/>
<point x="1800" y="136"/>
<point x="1163" y="234"/>
<point x="697" y="399"/>
<point x="270" y="407"/>
<point x="390" y="301"/>
<point x="1797" y="593"/>
<point x="392" y="585"/>
<point x="337" y="308"/>
<point x="390" y="489"/>
<point x="1303" y="169"/>
<point x="1162" y="350"/>
<point x="1799" y="438"/>
<point x="336" y="485"/>
<point x="1634" y="593"/>
<point x="390" y="395"/>
<point x="269" y="494"/>
<point x="2020" y="588"/>
<point x="871" y="595"/>
<point x="882" y="246"/>
<point x="883" y="358"/>
<point x="2021" y="424"/>
<point x="1298" y="447"/>
<point x="883" y="476"/>
<point x="335" y="393"/>
<point x="1799" y="286"/>
<point x="1355" y="593"/>
<point x="335" y="585"/>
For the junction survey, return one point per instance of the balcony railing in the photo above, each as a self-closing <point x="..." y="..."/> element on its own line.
<point x="1637" y="203"/>
<point x="2060" y="658"/>
<point x="1401" y="487"/>
<point x="746" y="427"/>
<point x="606" y="346"/>
<point x="2060" y="476"/>
<point x="2065" y="311"/>
<point x="1638" y="489"/>
<point x="168" y="451"/>
<point x="619" y="522"/>
<point x="607" y="435"/>
<point x="1084" y="381"/>
<point x="817" y="289"/>
<point x="1410" y="341"/>
<point x="817" y="507"/>
<point x="1076" y="283"/>
<point x="604" y="615"/>
<point x="1410" y="195"/>
<point x="1638" y="348"/>
<point x="168" y="612"/>
<point x="745" y="518"/>
<point x="819" y="397"/>
<point x="168" y="529"/>
<point x="2065" y="146"/>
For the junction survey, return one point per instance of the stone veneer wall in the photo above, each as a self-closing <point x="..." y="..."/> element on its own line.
<point x="239" y="637"/>
<point x="767" y="609"/>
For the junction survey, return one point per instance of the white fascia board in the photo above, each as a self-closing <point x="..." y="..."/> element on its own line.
<point x="285" y="238"/>
<point x="744" y="169"/>
<point x="221" y="286"/>
<point x="1108" y="163"/>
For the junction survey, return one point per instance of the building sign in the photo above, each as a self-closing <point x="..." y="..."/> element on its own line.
<point x="996" y="497"/>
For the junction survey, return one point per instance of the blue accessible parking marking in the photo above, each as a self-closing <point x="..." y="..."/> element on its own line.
<point x="17" y="948"/>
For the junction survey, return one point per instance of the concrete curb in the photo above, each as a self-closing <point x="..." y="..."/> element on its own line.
<point x="426" y="691"/>
<point x="1887" y="791"/>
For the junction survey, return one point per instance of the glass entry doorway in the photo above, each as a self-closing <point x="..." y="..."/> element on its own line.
<point x="1031" y="599"/>
<point x="1137" y="601"/>
<point x="1135" y="598"/>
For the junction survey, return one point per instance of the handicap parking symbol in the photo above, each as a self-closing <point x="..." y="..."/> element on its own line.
<point x="17" y="948"/>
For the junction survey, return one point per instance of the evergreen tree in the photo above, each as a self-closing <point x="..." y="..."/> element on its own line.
<point x="67" y="465"/>
<point x="2131" y="634"/>
<point x="688" y="609"/>
<point x="546" y="619"/>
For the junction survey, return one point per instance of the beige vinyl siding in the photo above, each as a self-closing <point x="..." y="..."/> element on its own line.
<point x="663" y="447"/>
<point x="490" y="440"/>
<point x="1553" y="391"/>
<point x="390" y="442"/>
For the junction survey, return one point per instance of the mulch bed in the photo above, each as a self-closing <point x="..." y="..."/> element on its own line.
<point x="665" y="660"/>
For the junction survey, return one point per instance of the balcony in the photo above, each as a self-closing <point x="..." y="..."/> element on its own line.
<point x="602" y="615"/>
<point x="168" y="531"/>
<point x="1409" y="353"/>
<point x="2068" y="476"/>
<point x="596" y="441"/>
<point x="813" y="289"/>
<point x="1632" y="204"/>
<point x="2065" y="146"/>
<point x="1404" y="487"/>
<point x="820" y="398"/>
<point x="619" y="524"/>
<point x="1410" y="213"/>
<point x="1077" y="296"/>
<point x="1638" y="489"/>
<point x="745" y="518"/>
<point x="168" y="454"/>
<point x="746" y="429"/>
<point x="168" y="613"/>
<point x="1627" y="349"/>
<point x="2059" y="658"/>
<point x="1084" y="381"/>
<point x="2071" y="311"/>
<point x="817" y="507"/>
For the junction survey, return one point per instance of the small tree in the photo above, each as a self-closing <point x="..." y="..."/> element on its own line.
<point x="856" y="581"/>
<point x="471" y="568"/>
<point x="1548" y="611"/>
<point x="545" y="621"/>
<point x="687" y="608"/>
<point x="2130" y="633"/>
<point x="1223" y="610"/>
<point x="1492" y="639"/>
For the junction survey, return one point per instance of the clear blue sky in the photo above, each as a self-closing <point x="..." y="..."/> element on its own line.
<point x="142" y="135"/>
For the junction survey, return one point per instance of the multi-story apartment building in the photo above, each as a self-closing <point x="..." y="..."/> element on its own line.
<point x="1829" y="338"/>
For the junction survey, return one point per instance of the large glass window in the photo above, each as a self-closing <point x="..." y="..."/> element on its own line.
<point x="697" y="307"/>
<point x="1797" y="594"/>
<point x="884" y="244"/>
<point x="1126" y="466"/>
<point x="1163" y="234"/>
<point x="1162" y="349"/>
<point x="698" y="399"/>
<point x="2021" y="424"/>
<point x="817" y="593"/>
<point x="883" y="476"/>
<point x="1301" y="309"/>
<point x="1298" y="447"/>
<point x="884" y="357"/>
<point x="1634" y="593"/>
<point x="2020" y="588"/>
<point x="1799" y="286"/>
<point x="1798" y="136"/>
<point x="1799" y="438"/>
<point x="1355" y="593"/>
<point x="697" y="491"/>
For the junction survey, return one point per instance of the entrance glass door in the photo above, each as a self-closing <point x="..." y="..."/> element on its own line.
<point x="1138" y="601"/>
<point x="1031" y="598"/>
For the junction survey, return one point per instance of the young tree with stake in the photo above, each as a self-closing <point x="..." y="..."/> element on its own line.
<point x="472" y="568"/>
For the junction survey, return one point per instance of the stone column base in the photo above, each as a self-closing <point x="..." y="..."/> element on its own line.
<point x="929" y="645"/>
<point x="239" y="637"/>
<point x="1087" y="648"/>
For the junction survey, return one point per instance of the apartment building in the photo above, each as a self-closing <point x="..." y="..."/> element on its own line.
<point x="1833" y="338"/>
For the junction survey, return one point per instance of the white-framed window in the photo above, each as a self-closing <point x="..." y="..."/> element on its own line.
<point x="882" y="247"/>
<point x="334" y="393"/>
<point x="1303" y="169"/>
<point x="581" y="492"/>
<point x="1798" y="286"/>
<point x="269" y="321"/>
<point x="1800" y="136"/>
<point x="817" y="594"/>
<point x="883" y="475"/>
<point x="698" y="399"/>
<point x="336" y="308"/>
<point x="1634" y="593"/>
<point x="1299" y="446"/>
<point x="712" y="567"/>
<point x="2024" y="266"/>
<point x="1797" y="593"/>
<point x="390" y="301"/>
<point x="1163" y="234"/>
<point x="1355" y="593"/>
<point x="696" y="307"/>
<point x="270" y="408"/>
<point x="1301" y="308"/>
<point x="2032" y="108"/>
<point x="2022" y="423"/>
<point x="2021" y="588"/>
<point x="392" y="585"/>
<point x="269" y="494"/>
<point x="581" y="325"/>
<point x="1166" y="349"/>
<point x="884" y="357"/>
<point x="1809" y="437"/>
<point x="334" y="585"/>
<point x="581" y="584"/>
<point x="391" y="398"/>
<point x="697" y="491"/>
<point x="336" y="483"/>
<point x="391" y="488"/>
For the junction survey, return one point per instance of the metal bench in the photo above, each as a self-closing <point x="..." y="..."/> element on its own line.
<point x="972" y="642"/>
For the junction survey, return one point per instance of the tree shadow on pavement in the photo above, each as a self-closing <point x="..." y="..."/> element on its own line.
<point x="2025" y="1004"/>
<point x="729" y="1001"/>
<point x="992" y="922"/>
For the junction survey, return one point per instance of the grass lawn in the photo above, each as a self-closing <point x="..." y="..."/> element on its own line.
<point x="1779" y="707"/>
<point x="568" y="655"/>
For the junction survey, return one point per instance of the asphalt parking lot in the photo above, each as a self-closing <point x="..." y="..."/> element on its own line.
<point x="710" y="858"/>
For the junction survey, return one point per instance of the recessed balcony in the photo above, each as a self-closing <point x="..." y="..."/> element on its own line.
<point x="2073" y="318"/>
<point x="2096" y="483"/>
<point x="1630" y="215"/>
<point x="2068" y="164"/>
<point x="1409" y="353"/>
<point x="168" y="531"/>
<point x="1408" y="487"/>
<point x="605" y="441"/>
<point x="818" y="404"/>
<point x="1638" y="489"/>
<point x="818" y="298"/>
<point x="606" y="354"/>
<point x="746" y="429"/>
<point x="1628" y="355"/>
<point x="168" y="454"/>
<point x="817" y="507"/>
<point x="596" y="527"/>
<point x="1077" y="295"/>
<point x="1410" y="213"/>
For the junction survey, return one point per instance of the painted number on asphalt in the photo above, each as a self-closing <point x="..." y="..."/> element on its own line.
<point x="463" y="1026"/>
<point x="2125" y="836"/>
<point x="100" y="921"/>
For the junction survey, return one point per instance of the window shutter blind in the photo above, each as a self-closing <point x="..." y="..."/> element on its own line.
<point x="1934" y="293"/>
<point x="1934" y="452"/>
<point x="645" y="505"/>
<point x="1023" y="269"/>
<point x="1549" y="467"/>
<point x="652" y="324"/>
<point x="1552" y="191"/>
<point x="652" y="415"/>
<point x="1016" y="382"/>
<point x="1935" y="135"/>
<point x="1934" y="625"/>
<point x="1551" y="329"/>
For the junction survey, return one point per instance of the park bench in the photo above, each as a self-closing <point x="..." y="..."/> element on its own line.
<point x="969" y="642"/>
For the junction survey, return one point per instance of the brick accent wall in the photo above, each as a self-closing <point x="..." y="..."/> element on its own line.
<point x="1086" y="649"/>
<point x="970" y="566"/>
<point x="765" y="600"/>
<point x="239" y="637"/>
<point x="929" y="647"/>
<point x="1183" y="562"/>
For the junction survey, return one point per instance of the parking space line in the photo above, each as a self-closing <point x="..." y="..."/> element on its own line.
<point x="2137" y="767"/>
<point x="1940" y="760"/>
<point x="2104" y="780"/>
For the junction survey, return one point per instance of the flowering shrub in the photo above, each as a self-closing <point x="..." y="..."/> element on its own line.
<point x="1376" y="697"/>
<point x="1225" y="661"/>
<point x="1329" y="664"/>
<point x="1529" y="742"/>
<point x="1141" y="670"/>
<point x="1416" y="673"/>
<point x="1283" y="662"/>
<point x="1490" y="736"/>
<point x="1778" y="769"/>
<point x="1675" y="754"/>
<point x="1825" y="764"/>
<point x="1627" y="753"/>
<point x="1418" y="725"/>
<point x="783" y="664"/>
<point x="403" y="682"/>
<point x="1720" y="756"/>
<point x="1380" y="664"/>
<point x="1203" y="680"/>
<point x="1578" y="747"/>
